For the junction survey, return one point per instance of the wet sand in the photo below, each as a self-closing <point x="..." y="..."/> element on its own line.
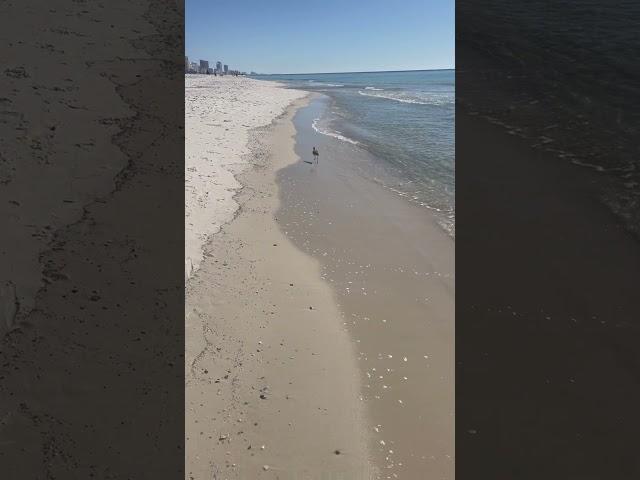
<point x="272" y="381"/>
<point x="391" y="267"/>
<point x="219" y="113"/>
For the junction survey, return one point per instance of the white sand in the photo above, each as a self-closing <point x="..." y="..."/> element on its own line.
<point x="219" y="112"/>
<point x="272" y="383"/>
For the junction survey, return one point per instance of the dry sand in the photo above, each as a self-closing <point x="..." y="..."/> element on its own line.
<point x="272" y="384"/>
<point x="219" y="112"/>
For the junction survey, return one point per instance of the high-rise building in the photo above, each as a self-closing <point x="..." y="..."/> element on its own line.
<point x="204" y="66"/>
<point x="186" y="64"/>
<point x="226" y="69"/>
<point x="219" y="67"/>
<point x="193" y="67"/>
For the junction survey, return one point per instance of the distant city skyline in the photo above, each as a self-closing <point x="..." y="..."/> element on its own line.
<point x="287" y="36"/>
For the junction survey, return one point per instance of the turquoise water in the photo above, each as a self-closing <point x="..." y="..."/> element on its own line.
<point x="405" y="120"/>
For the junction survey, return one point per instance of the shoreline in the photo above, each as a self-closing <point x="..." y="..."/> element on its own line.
<point x="264" y="339"/>
<point x="366" y="238"/>
<point x="382" y="178"/>
<point x="217" y="125"/>
<point x="278" y="348"/>
<point x="404" y="123"/>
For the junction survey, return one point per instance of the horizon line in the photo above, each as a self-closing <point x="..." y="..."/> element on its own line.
<point x="366" y="71"/>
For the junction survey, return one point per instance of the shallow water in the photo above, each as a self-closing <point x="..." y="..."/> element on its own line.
<point x="405" y="120"/>
<point x="391" y="267"/>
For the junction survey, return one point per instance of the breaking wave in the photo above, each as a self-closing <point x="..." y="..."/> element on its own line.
<point x="430" y="99"/>
<point x="333" y="134"/>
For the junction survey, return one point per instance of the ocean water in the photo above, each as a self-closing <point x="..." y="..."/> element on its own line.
<point x="405" y="120"/>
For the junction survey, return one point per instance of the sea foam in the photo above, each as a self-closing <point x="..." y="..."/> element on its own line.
<point x="404" y="98"/>
<point x="333" y="134"/>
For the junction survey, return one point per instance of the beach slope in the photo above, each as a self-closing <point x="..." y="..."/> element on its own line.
<point x="272" y="384"/>
<point x="219" y="113"/>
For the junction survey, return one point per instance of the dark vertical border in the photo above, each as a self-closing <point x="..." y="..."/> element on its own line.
<point x="92" y="195"/>
<point x="547" y="245"/>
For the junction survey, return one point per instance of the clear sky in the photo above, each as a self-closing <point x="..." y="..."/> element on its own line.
<point x="310" y="36"/>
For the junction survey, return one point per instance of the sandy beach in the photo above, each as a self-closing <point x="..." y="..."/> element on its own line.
<point x="308" y="351"/>
<point x="272" y="381"/>
<point x="392" y="268"/>
<point x="219" y="113"/>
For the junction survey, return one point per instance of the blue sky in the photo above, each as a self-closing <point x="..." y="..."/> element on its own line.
<point x="309" y="36"/>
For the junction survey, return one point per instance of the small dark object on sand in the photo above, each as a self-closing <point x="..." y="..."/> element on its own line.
<point x="337" y="452"/>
